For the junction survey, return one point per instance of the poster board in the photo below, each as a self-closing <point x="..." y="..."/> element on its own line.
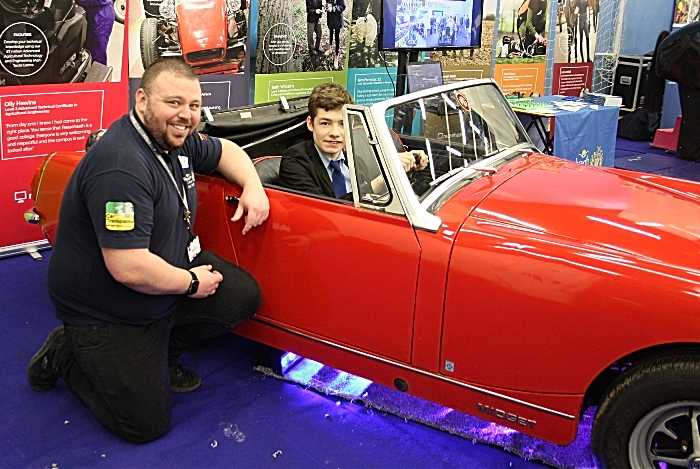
<point x="287" y="63"/>
<point x="210" y="36"/>
<point x="55" y="90"/>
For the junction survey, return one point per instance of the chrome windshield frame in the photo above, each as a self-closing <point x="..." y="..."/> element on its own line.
<point x="417" y="211"/>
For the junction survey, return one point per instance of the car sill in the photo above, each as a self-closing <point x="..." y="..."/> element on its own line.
<point x="416" y="370"/>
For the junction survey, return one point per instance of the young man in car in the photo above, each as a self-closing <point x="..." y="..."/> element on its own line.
<point x="319" y="166"/>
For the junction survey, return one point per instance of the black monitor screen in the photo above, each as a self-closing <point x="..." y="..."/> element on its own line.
<point x="423" y="75"/>
<point x="430" y="24"/>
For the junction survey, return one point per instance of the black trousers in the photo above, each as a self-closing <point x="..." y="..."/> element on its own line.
<point x="334" y="33"/>
<point x="121" y="371"/>
<point x="311" y="29"/>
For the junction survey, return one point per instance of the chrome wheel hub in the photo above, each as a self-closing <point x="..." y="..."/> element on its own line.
<point x="667" y="437"/>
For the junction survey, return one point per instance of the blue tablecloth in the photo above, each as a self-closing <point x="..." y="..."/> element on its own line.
<point x="586" y="136"/>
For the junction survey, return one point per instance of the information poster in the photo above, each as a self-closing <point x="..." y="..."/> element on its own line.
<point x="576" y="31"/>
<point x="520" y="78"/>
<point x="270" y="88"/>
<point x="521" y="47"/>
<point x="369" y="86"/>
<point x="211" y="36"/>
<point x="37" y="49"/>
<point x="686" y="11"/>
<point x="60" y="80"/>
<point x="570" y="79"/>
<point x="38" y="124"/>
<point x="522" y="31"/>
<point x="371" y="73"/>
<point x="297" y="51"/>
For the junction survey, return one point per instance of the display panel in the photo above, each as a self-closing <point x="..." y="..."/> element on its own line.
<point x="430" y="24"/>
<point x="423" y="75"/>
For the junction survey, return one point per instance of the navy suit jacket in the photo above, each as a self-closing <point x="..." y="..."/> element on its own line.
<point x="302" y="169"/>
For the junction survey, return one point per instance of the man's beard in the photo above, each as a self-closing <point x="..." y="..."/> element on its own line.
<point x="161" y="135"/>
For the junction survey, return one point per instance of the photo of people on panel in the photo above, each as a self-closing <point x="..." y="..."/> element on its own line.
<point x="576" y="30"/>
<point x="435" y="24"/>
<point x="522" y="30"/>
<point x="306" y="36"/>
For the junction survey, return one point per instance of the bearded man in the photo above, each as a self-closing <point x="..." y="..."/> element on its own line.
<point x="127" y="276"/>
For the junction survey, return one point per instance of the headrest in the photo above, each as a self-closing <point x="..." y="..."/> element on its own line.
<point x="268" y="169"/>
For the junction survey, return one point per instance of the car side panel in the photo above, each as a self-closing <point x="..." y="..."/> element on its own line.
<point x="211" y="224"/>
<point x="435" y="261"/>
<point x="534" y="312"/>
<point x="337" y="272"/>
<point x="48" y="187"/>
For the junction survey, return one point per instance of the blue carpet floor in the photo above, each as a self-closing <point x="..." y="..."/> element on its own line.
<point x="643" y="157"/>
<point x="239" y="417"/>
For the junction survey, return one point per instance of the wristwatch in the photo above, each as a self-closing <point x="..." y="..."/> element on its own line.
<point x="194" y="284"/>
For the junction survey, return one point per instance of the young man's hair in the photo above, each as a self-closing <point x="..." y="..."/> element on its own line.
<point x="329" y="97"/>
<point x="175" y="66"/>
<point x="93" y="138"/>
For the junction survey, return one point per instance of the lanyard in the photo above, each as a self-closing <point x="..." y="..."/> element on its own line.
<point x="151" y="145"/>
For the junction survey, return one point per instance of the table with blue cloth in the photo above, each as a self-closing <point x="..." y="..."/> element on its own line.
<point x="586" y="136"/>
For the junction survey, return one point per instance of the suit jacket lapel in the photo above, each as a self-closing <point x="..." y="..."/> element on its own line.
<point x="321" y="171"/>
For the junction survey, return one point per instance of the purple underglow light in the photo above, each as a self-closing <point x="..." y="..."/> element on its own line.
<point x="445" y="411"/>
<point x="303" y="372"/>
<point x="494" y="430"/>
<point x="288" y="360"/>
<point x="315" y="375"/>
<point x="348" y="384"/>
<point x="306" y="370"/>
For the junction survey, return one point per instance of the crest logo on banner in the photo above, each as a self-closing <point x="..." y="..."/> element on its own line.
<point x="594" y="159"/>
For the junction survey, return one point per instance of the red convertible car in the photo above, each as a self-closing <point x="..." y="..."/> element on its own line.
<point x="210" y="35"/>
<point x="510" y="285"/>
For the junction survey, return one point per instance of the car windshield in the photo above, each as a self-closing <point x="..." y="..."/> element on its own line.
<point x="456" y="129"/>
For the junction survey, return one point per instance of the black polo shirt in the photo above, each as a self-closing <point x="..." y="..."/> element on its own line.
<point x="120" y="196"/>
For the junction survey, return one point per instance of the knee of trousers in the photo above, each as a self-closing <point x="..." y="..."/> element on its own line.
<point x="145" y="428"/>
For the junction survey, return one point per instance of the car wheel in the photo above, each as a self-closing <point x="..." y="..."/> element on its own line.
<point x="650" y="417"/>
<point x="120" y="11"/>
<point x="149" y="42"/>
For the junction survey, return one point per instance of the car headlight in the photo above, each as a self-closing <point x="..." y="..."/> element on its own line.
<point x="233" y="5"/>
<point x="167" y="9"/>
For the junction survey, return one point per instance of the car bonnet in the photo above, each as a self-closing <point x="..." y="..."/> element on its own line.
<point x="649" y="216"/>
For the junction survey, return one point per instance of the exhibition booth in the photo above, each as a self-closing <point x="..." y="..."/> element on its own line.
<point x="567" y="243"/>
<point x="49" y="106"/>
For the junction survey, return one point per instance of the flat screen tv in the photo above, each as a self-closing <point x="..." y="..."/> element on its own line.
<point x="423" y="75"/>
<point x="422" y="25"/>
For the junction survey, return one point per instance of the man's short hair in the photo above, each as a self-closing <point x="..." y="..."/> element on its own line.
<point x="175" y="66"/>
<point x="329" y="97"/>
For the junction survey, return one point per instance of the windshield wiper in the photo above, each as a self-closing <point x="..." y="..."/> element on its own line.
<point x="447" y="175"/>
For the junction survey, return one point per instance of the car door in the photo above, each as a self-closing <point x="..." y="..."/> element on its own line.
<point x="337" y="271"/>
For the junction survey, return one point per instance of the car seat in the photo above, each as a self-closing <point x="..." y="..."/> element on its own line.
<point x="268" y="169"/>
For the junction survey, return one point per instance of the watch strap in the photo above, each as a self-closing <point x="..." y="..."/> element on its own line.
<point x="194" y="284"/>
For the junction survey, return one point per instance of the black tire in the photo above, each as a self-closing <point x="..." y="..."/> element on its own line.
<point x="149" y="42"/>
<point x="120" y="11"/>
<point x="661" y="393"/>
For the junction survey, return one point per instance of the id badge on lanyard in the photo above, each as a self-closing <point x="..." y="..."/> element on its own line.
<point x="193" y="246"/>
